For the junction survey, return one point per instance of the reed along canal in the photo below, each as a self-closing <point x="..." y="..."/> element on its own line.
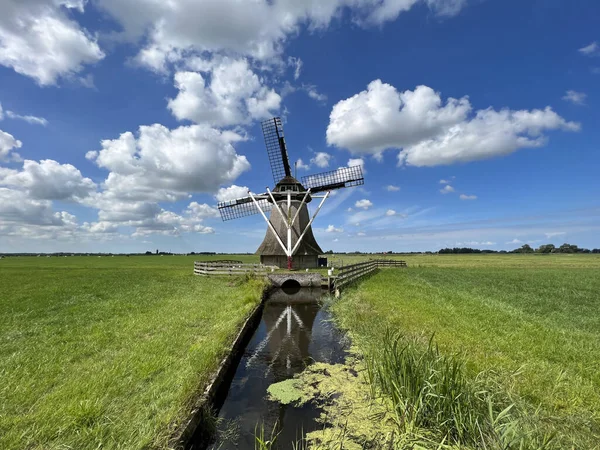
<point x="295" y="331"/>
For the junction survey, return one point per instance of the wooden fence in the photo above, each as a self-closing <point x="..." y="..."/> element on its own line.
<point x="390" y="263"/>
<point x="349" y="274"/>
<point x="220" y="268"/>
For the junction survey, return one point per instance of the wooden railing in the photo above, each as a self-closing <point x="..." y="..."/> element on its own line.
<point x="390" y="263"/>
<point x="218" y="268"/>
<point x="349" y="274"/>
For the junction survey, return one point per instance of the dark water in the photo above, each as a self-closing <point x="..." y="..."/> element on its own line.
<point x="294" y="331"/>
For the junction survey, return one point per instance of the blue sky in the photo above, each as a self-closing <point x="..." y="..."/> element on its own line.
<point x="124" y="122"/>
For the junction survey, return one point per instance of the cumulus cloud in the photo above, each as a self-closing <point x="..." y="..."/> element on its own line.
<point x="158" y="165"/>
<point x="300" y="165"/>
<point x="447" y="189"/>
<point x="332" y="229"/>
<point x="515" y="241"/>
<point x="431" y="132"/>
<point x="229" y="93"/>
<point x="363" y="204"/>
<point x="390" y="212"/>
<point x="38" y="40"/>
<point x="392" y="188"/>
<point x="577" y="98"/>
<point x="231" y="193"/>
<point x="357" y="162"/>
<point x="159" y="161"/>
<point x="592" y="49"/>
<point x="321" y="159"/>
<point x="8" y="144"/>
<point x="49" y="180"/>
<point x="258" y="29"/>
<point x="468" y="197"/>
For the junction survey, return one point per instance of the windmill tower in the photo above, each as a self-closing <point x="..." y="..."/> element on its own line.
<point x="289" y="241"/>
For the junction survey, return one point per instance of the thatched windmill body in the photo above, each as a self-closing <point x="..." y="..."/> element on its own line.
<point x="289" y="241"/>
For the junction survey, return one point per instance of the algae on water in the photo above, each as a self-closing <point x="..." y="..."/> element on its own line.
<point x="287" y="392"/>
<point x="349" y="414"/>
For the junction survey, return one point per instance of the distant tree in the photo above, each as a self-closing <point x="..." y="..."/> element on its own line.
<point x="596" y="250"/>
<point x="157" y="251"/>
<point x="525" y="248"/>
<point x="148" y="252"/>
<point x="568" y="248"/>
<point x="547" y="248"/>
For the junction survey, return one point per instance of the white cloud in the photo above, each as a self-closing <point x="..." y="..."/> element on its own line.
<point x="37" y="39"/>
<point x="392" y="188"/>
<point x="300" y="165"/>
<point x="321" y="159"/>
<point x="49" y="180"/>
<point x="201" y="211"/>
<point x="447" y="189"/>
<point x="429" y="132"/>
<point x="258" y="29"/>
<point x="468" y="197"/>
<point x="444" y="182"/>
<point x="332" y="229"/>
<point x="577" y="98"/>
<point x="30" y="119"/>
<point x="312" y="92"/>
<point x="390" y="212"/>
<point x="554" y="234"/>
<point x="231" y="193"/>
<point x="363" y="204"/>
<point x="515" y="241"/>
<point x="229" y="93"/>
<point x="7" y="144"/>
<point x="357" y="162"/>
<point x="361" y="233"/>
<point x="349" y="210"/>
<point x="163" y="163"/>
<point x="591" y="50"/>
<point x="296" y="63"/>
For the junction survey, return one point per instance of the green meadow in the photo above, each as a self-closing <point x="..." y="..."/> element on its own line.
<point x="525" y="328"/>
<point x="109" y="352"/>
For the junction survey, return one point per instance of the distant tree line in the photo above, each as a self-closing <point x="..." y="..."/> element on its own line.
<point x="525" y="248"/>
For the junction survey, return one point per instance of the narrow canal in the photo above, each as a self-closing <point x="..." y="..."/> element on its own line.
<point x="295" y="331"/>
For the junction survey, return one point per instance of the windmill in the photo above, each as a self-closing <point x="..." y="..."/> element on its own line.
<point x="289" y="240"/>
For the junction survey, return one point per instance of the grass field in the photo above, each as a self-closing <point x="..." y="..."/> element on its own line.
<point x="530" y="323"/>
<point x="108" y="352"/>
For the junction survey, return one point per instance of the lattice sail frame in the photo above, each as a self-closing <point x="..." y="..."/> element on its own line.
<point x="276" y="148"/>
<point x="242" y="207"/>
<point x="335" y="179"/>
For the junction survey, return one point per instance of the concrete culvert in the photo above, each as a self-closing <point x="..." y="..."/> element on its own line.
<point x="290" y="286"/>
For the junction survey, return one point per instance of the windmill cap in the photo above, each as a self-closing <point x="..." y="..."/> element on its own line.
<point x="287" y="181"/>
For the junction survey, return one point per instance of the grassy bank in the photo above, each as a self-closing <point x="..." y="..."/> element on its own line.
<point x="531" y="324"/>
<point x="108" y="352"/>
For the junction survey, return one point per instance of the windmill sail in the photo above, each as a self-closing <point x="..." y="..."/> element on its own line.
<point x="335" y="179"/>
<point x="276" y="148"/>
<point x="242" y="207"/>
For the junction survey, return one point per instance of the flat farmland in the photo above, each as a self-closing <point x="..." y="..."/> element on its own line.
<point x="109" y="352"/>
<point x="529" y="325"/>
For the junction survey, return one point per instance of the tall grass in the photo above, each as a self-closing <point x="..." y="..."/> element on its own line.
<point x="431" y="391"/>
